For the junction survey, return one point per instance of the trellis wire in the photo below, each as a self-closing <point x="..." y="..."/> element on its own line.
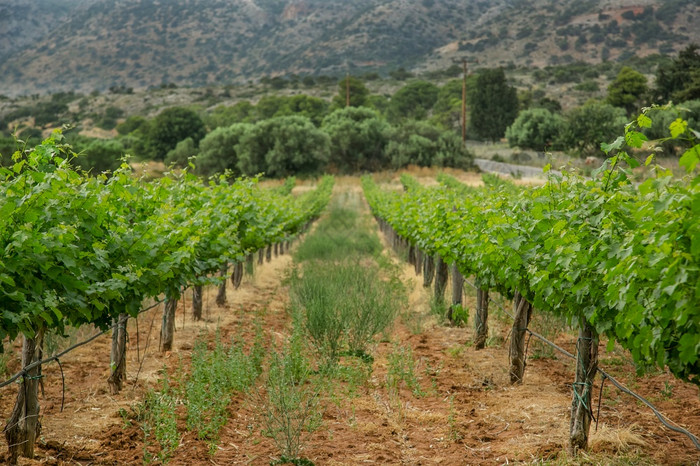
<point x="605" y="375"/>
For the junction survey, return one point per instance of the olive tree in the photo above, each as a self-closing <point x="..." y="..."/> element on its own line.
<point x="283" y="146"/>
<point x="535" y="128"/>
<point x="358" y="139"/>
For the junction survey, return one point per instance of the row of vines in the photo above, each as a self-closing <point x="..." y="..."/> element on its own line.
<point x="616" y="257"/>
<point x="81" y="250"/>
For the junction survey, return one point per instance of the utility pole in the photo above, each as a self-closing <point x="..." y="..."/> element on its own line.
<point x="464" y="102"/>
<point x="347" y="89"/>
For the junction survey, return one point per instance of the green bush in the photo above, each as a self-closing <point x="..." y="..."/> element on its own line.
<point x="291" y="404"/>
<point x="358" y="139"/>
<point x="98" y="155"/>
<point x="423" y="144"/>
<point x="593" y="123"/>
<point x="283" y="146"/>
<point x="171" y="126"/>
<point x="218" y="151"/>
<point x="413" y="101"/>
<point x="131" y="124"/>
<point x="535" y="128"/>
<point x="241" y="112"/>
<point x="159" y="423"/>
<point x="182" y="152"/>
<point x="344" y="305"/>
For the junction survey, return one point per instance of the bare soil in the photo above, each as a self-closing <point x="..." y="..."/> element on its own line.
<point x="469" y="413"/>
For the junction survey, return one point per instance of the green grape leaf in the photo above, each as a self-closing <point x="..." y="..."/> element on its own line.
<point x="690" y="158"/>
<point x="635" y="139"/>
<point x="678" y="127"/>
<point x="607" y="148"/>
<point x="643" y="121"/>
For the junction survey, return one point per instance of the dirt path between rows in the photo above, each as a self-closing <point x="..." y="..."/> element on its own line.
<point x="466" y="412"/>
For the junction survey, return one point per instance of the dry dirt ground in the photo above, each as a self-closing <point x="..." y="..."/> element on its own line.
<point x="468" y="412"/>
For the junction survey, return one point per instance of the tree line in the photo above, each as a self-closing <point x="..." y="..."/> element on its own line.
<point x="358" y="131"/>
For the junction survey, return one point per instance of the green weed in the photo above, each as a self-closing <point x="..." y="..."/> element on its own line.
<point x="344" y="305"/>
<point x="460" y="315"/>
<point x="159" y="423"/>
<point x="215" y="375"/>
<point x="438" y="308"/>
<point x="291" y="403"/>
<point x="338" y="236"/>
<point x="402" y="368"/>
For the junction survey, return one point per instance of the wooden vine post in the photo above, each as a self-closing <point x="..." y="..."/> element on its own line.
<point x="419" y="261"/>
<point x="221" y="294"/>
<point x="117" y="362"/>
<point x="261" y="256"/>
<point x="586" y="368"/>
<point x="23" y="426"/>
<point x="523" y="313"/>
<point x="197" y="302"/>
<point x="457" y="288"/>
<point x="481" y="326"/>
<point x="428" y="270"/>
<point x="268" y="253"/>
<point x="440" y="279"/>
<point x="167" y="329"/>
<point x="237" y="275"/>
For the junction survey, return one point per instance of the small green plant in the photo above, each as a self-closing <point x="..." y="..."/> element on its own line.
<point x="215" y="375"/>
<point x="460" y="315"/>
<point x="438" y="308"/>
<point x="402" y="368"/>
<point x="432" y="372"/>
<point x="291" y="403"/>
<point x="455" y="351"/>
<point x="344" y="305"/>
<point x="667" y="391"/>
<point x="159" y="423"/>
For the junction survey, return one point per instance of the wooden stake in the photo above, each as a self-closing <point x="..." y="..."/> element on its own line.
<point x="586" y="367"/>
<point x="481" y="326"/>
<point x="523" y="312"/>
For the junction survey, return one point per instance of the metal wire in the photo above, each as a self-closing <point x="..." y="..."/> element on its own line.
<point x="31" y="366"/>
<point x="605" y="375"/>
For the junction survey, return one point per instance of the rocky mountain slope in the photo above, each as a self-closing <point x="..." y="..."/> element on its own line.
<point x="51" y="45"/>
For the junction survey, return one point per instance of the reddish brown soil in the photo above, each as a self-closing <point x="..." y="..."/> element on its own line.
<point x="469" y="413"/>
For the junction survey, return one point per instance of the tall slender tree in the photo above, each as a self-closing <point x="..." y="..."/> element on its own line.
<point x="494" y="105"/>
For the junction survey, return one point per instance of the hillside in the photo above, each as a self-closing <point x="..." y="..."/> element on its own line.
<point x="51" y="45"/>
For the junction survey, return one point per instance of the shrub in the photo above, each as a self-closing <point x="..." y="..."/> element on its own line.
<point x="420" y="143"/>
<point x="593" y="123"/>
<point x="358" y="138"/>
<point x="283" y="146"/>
<point x="535" y="128"/>
<point x="218" y="151"/>
<point x="171" y="126"/>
